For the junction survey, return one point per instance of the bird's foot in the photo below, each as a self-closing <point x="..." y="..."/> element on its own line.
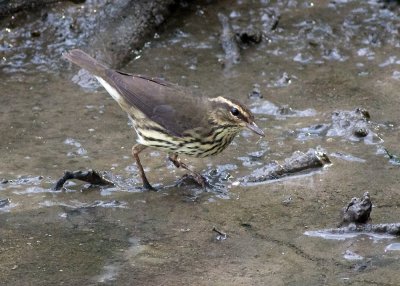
<point x="194" y="177"/>
<point x="147" y="186"/>
<point x="200" y="180"/>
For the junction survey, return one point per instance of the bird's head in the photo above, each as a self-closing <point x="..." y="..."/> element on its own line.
<point x="231" y="113"/>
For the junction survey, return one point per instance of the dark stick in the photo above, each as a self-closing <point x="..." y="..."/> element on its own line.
<point x="90" y="176"/>
<point x="221" y="235"/>
<point x="383" y="228"/>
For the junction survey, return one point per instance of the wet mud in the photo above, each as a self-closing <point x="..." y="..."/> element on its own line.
<point x="318" y="65"/>
<point x="35" y="33"/>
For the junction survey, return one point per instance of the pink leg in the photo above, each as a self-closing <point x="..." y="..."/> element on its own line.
<point x="179" y="164"/>
<point x="135" y="153"/>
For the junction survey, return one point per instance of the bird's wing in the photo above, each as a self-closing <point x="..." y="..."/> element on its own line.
<point x="174" y="108"/>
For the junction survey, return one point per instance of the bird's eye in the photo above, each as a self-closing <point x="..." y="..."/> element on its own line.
<point x="235" y="111"/>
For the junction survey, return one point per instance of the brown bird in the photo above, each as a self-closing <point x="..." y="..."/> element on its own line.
<point x="168" y="117"/>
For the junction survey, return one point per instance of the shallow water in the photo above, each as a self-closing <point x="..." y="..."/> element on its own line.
<point x="322" y="57"/>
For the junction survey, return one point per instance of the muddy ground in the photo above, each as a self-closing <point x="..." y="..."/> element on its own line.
<point x="317" y="62"/>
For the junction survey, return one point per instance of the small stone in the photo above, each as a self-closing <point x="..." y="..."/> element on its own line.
<point x="358" y="210"/>
<point x="250" y="36"/>
<point x="4" y="202"/>
<point x="256" y="92"/>
<point x="35" y="34"/>
<point x="361" y="132"/>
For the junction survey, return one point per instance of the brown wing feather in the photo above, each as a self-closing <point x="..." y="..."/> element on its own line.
<point x="173" y="107"/>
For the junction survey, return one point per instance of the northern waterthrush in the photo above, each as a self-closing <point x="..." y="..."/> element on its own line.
<point x="168" y="117"/>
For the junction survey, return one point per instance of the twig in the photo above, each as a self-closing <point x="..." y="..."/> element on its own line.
<point x="383" y="228"/>
<point x="90" y="176"/>
<point x="221" y="235"/>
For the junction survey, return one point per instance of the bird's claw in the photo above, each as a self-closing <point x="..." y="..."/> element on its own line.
<point x="200" y="180"/>
<point x="196" y="178"/>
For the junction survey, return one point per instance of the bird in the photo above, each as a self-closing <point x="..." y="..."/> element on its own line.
<point x="169" y="117"/>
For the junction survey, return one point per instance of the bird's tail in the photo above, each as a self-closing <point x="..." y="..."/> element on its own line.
<point x="85" y="61"/>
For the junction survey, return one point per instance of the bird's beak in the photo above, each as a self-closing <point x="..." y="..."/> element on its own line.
<point x="253" y="127"/>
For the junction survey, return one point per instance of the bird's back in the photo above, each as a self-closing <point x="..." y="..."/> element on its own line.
<point x="173" y="108"/>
